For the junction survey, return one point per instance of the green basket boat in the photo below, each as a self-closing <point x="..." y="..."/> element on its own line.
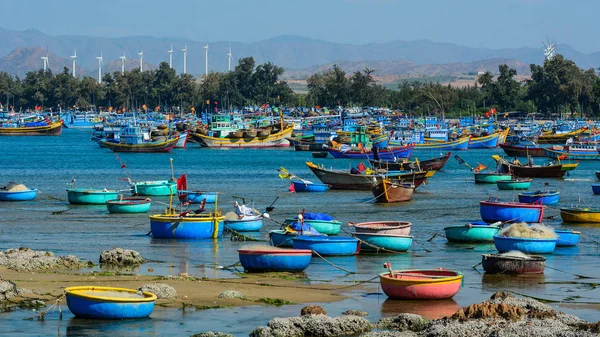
<point x="129" y="205"/>
<point x="154" y="188"/>
<point x="328" y="227"/>
<point x="478" y="231"/>
<point x="514" y="184"/>
<point x="82" y="196"/>
<point x="491" y="177"/>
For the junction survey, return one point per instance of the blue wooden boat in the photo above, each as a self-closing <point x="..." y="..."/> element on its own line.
<point x="493" y="211"/>
<point x="154" y="188"/>
<point x="274" y="259"/>
<point x="525" y="245"/>
<point x="514" y="184"/>
<point x="596" y="188"/>
<point x="248" y="224"/>
<point x="328" y="245"/>
<point x="82" y="196"/>
<point x="129" y="205"/>
<point x="194" y="226"/>
<point x="384" y="243"/>
<point x="540" y="197"/>
<point x="26" y="195"/>
<point x="282" y="238"/>
<point x="196" y="197"/>
<point x="309" y="186"/>
<point x="485" y="142"/>
<point x="459" y="144"/>
<point x="477" y="231"/>
<point x="567" y="238"/>
<point x="109" y="302"/>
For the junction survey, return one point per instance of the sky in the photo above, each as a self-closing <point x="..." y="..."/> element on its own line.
<point x="493" y="24"/>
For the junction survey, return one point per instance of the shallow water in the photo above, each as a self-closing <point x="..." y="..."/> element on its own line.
<point x="450" y="197"/>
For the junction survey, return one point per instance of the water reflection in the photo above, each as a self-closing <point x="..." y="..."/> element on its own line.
<point x="428" y="309"/>
<point x="515" y="282"/>
<point x="93" y="327"/>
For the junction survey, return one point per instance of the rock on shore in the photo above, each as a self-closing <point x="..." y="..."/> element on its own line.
<point x="25" y="259"/>
<point x="161" y="290"/>
<point x="313" y="325"/>
<point x="8" y="290"/>
<point x="121" y="257"/>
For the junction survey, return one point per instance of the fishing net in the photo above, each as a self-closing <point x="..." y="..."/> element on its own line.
<point x="14" y="187"/>
<point x="522" y="230"/>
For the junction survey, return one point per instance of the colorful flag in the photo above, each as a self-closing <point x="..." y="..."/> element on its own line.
<point x="361" y="167"/>
<point x="292" y="189"/>
<point x="480" y="167"/>
<point x="182" y="186"/>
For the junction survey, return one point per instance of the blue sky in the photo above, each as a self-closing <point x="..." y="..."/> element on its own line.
<point x="477" y="23"/>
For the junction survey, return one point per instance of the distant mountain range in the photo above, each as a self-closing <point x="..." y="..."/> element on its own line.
<point x="20" y="51"/>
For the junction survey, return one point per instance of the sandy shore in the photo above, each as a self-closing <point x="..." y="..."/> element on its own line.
<point x="47" y="285"/>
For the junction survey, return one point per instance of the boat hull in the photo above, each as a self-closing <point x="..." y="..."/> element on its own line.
<point x="522" y="171"/>
<point x="129" y="205"/>
<point x="471" y="233"/>
<point x="150" y="147"/>
<point x="562" y="155"/>
<point x="327" y="245"/>
<point x="82" y="305"/>
<point x="245" y="225"/>
<point x="27" y="195"/>
<point x="491" y="178"/>
<point x="383" y="243"/>
<point x="383" y="154"/>
<point x="154" y="188"/>
<point x="279" y="238"/>
<point x="582" y="215"/>
<point x="197" y="197"/>
<point x="194" y="227"/>
<point x="272" y="140"/>
<point x="54" y="129"/>
<point x="387" y="191"/>
<point x="567" y="238"/>
<point x="525" y="245"/>
<point x="510" y="212"/>
<point x="484" y="142"/>
<point x="595" y="189"/>
<point x="331" y="227"/>
<point x="513" y="184"/>
<point x="383" y="227"/>
<point x="183" y="138"/>
<point x="80" y="196"/>
<point x="300" y="186"/>
<point x="459" y="144"/>
<point x="544" y="198"/>
<point x="281" y="260"/>
<point x="435" y="164"/>
<point x="498" y="264"/>
<point x="444" y="285"/>
<point x="522" y="151"/>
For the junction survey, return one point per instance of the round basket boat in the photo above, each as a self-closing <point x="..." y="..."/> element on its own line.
<point x="525" y="245"/>
<point x="274" y="259"/>
<point x="109" y="302"/>
<point x="421" y="284"/>
<point x="129" y="205"/>
<point x="26" y="195"/>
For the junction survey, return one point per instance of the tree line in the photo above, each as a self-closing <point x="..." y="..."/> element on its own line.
<point x="557" y="86"/>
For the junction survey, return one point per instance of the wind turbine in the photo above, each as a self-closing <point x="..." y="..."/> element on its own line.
<point x="141" y="60"/>
<point x="123" y="59"/>
<point x="170" y="51"/>
<point x="74" y="57"/>
<point x="549" y="48"/>
<point x="206" y="66"/>
<point x="184" y="50"/>
<point x="229" y="56"/>
<point x="99" y="58"/>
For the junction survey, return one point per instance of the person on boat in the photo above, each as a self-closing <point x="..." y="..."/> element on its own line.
<point x="516" y="161"/>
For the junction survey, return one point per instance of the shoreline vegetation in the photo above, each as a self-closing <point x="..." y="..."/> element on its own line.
<point x="555" y="88"/>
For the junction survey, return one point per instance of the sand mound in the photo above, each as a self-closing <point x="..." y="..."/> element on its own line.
<point x="14" y="187"/>
<point x="522" y="230"/>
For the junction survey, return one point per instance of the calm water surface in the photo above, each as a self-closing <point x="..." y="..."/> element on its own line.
<point x="451" y="197"/>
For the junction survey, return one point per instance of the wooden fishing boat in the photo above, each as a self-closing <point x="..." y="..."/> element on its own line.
<point x="580" y="214"/>
<point x="549" y="197"/>
<point x="26" y="195"/>
<point x="434" y="164"/>
<point x="109" y="302"/>
<point x="388" y="191"/>
<point x="277" y="139"/>
<point x="459" y="144"/>
<point x="274" y="259"/>
<point x="309" y="186"/>
<point x="595" y="189"/>
<point x="247" y="224"/>
<point x="52" y="129"/>
<point x="154" y="188"/>
<point x="420" y="284"/>
<point x="477" y="231"/>
<point x="493" y="211"/>
<point x="514" y="184"/>
<point x="531" y="171"/>
<point x="383" y="154"/>
<point x="328" y="245"/>
<point x="524" y="245"/>
<point x="573" y="153"/>
<point x="129" y="205"/>
<point x="83" y="196"/>
<point x="532" y="150"/>
<point x="282" y="238"/>
<point x="251" y="133"/>
<point x="569" y="166"/>
<point x="557" y="138"/>
<point x="567" y="237"/>
<point x="383" y="243"/>
<point x="508" y="264"/>
<point x="491" y="177"/>
<point x="345" y="180"/>
<point x="147" y="147"/>
<point x="183" y="138"/>
<point x="320" y="154"/>
<point x="196" y="197"/>
<point x="485" y="142"/>
<point x="187" y="226"/>
<point x="382" y="227"/>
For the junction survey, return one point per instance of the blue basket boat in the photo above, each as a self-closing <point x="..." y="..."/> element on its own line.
<point x="281" y="238"/>
<point x="26" y="195"/>
<point x="308" y="186"/>
<point x="154" y="188"/>
<point x="129" y="205"/>
<point x="478" y="231"/>
<point x="540" y="197"/>
<point x="249" y="224"/>
<point x="109" y="302"/>
<point x="275" y="259"/>
<point x="383" y="243"/>
<point x="596" y="188"/>
<point x="567" y="238"/>
<point x="328" y="245"/>
<point x="196" y="197"/>
<point x="82" y="196"/>
<point x="493" y="211"/>
<point x="514" y="184"/>
<point x="195" y="226"/>
<point x="525" y="245"/>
